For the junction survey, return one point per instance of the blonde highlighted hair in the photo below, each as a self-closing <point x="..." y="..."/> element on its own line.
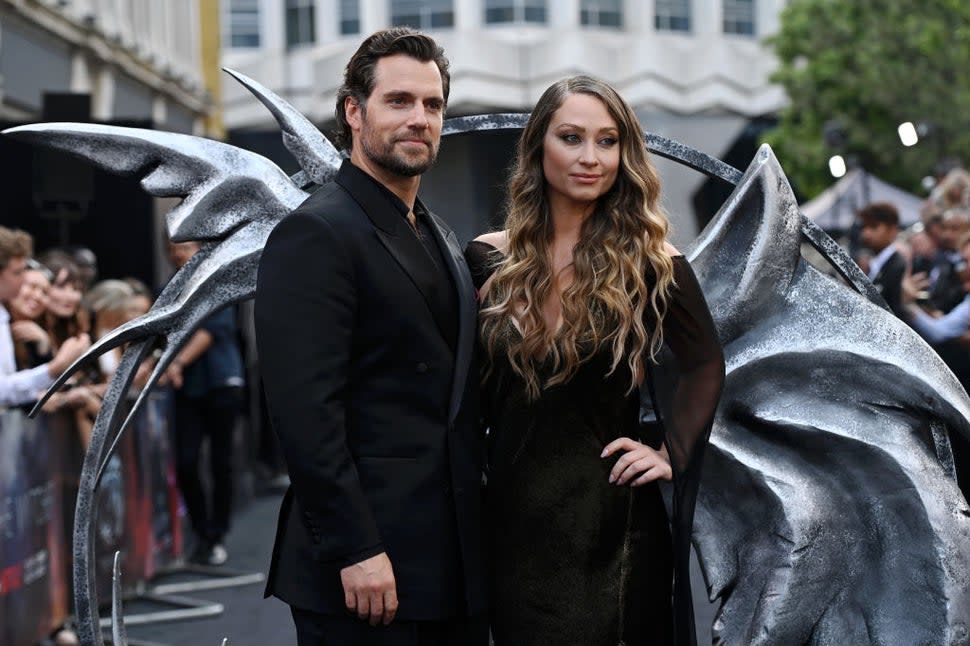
<point x="622" y="273"/>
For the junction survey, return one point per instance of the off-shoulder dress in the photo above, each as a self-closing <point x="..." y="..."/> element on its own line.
<point x="573" y="559"/>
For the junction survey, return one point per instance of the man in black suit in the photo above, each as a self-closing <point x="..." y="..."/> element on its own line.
<point x="880" y="226"/>
<point x="365" y="325"/>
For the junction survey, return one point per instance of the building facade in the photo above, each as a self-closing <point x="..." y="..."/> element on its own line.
<point x="139" y="61"/>
<point x="150" y="64"/>
<point x="695" y="70"/>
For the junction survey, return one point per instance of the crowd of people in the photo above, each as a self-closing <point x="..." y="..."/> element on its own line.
<point x="52" y="308"/>
<point x="923" y="273"/>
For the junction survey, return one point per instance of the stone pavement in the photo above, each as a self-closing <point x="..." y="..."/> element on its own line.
<point x="248" y="619"/>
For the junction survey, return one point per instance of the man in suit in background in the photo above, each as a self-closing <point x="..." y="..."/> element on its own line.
<point x="880" y="226"/>
<point x="365" y="322"/>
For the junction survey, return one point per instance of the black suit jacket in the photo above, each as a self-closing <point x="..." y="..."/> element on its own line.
<point x="376" y="412"/>
<point x="889" y="282"/>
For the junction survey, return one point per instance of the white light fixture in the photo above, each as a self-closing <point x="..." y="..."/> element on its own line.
<point x="907" y="134"/>
<point x="837" y="166"/>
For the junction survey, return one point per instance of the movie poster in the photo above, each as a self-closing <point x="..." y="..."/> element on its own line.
<point x="33" y="601"/>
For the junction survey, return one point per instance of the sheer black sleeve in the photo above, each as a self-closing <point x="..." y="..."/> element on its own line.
<point x="481" y="258"/>
<point x="685" y="388"/>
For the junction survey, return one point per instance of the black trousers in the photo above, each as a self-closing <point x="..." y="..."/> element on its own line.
<point x="314" y="629"/>
<point x="213" y="416"/>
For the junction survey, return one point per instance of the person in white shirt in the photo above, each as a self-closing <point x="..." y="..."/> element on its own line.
<point x="23" y="386"/>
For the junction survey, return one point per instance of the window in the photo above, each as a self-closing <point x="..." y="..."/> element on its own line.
<point x="299" y="23"/>
<point x="244" y="23"/>
<point x="672" y="15"/>
<point x="601" y="13"/>
<point x="498" y="11"/>
<point x="739" y="17"/>
<point x="349" y="17"/>
<point x="427" y="14"/>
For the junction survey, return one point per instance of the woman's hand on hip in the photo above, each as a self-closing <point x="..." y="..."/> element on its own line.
<point x="639" y="464"/>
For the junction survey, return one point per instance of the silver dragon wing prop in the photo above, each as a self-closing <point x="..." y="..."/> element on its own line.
<point x="829" y="511"/>
<point x="232" y="199"/>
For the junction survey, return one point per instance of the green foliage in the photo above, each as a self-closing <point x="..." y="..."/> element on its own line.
<point x="870" y="65"/>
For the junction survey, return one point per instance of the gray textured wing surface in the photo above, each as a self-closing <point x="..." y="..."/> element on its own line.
<point x="828" y="511"/>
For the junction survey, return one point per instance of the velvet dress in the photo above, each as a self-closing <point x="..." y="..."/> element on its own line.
<point x="574" y="559"/>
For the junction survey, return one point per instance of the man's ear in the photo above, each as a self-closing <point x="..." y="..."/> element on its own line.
<point x="354" y="112"/>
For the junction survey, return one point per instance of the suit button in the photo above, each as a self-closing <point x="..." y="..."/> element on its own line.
<point x="421" y="368"/>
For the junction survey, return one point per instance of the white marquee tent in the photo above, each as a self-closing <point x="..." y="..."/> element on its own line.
<point x="834" y="208"/>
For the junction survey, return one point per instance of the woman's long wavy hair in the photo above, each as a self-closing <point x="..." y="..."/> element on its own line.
<point x="621" y="270"/>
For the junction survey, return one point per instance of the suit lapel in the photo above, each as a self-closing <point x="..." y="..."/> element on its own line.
<point x="467" y="310"/>
<point x="384" y="209"/>
<point x="411" y="255"/>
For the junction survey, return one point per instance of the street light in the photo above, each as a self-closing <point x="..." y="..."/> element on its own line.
<point x="837" y="166"/>
<point x="908" y="134"/>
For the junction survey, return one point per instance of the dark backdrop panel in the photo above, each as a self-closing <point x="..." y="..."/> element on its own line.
<point x="117" y="222"/>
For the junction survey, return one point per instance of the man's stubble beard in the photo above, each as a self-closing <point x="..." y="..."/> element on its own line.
<point x="383" y="155"/>
<point x="386" y="158"/>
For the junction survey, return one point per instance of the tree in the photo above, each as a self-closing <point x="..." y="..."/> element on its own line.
<point x="862" y="67"/>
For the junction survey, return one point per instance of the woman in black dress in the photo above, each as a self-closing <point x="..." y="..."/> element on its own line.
<point x="581" y="297"/>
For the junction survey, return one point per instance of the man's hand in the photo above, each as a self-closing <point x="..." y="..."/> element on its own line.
<point x="30" y="332"/>
<point x="914" y="287"/>
<point x="370" y="589"/>
<point x="173" y="375"/>
<point x="69" y="351"/>
<point x="639" y="464"/>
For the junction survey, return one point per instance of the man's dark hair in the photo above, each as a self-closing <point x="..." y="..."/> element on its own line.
<point x="359" y="75"/>
<point x="880" y="213"/>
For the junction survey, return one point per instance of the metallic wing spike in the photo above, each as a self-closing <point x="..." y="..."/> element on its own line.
<point x="118" y="633"/>
<point x="318" y="158"/>
<point x="223" y="187"/>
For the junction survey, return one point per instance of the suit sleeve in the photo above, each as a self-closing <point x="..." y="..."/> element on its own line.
<point x="304" y="313"/>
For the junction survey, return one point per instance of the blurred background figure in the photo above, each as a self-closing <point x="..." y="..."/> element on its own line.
<point x="108" y="305"/>
<point x="208" y="377"/>
<point x="953" y="190"/>
<point x="949" y="334"/>
<point x="922" y="240"/>
<point x="32" y="344"/>
<point x="946" y="288"/>
<point x="22" y="386"/>
<point x="879" y="227"/>
<point x="64" y="317"/>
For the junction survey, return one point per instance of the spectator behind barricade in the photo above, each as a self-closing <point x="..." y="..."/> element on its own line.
<point x="946" y="288"/>
<point x="64" y="317"/>
<point x="935" y="326"/>
<point x="924" y="239"/>
<point x="108" y="303"/>
<point x="207" y="375"/>
<point x="141" y="298"/>
<point x="87" y="265"/>
<point x="32" y="345"/>
<point x="949" y="334"/>
<point x="24" y="386"/>
<point x="953" y="190"/>
<point x="879" y="228"/>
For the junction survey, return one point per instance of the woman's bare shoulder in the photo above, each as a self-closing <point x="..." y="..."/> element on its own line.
<point x="671" y="250"/>
<point x="497" y="239"/>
